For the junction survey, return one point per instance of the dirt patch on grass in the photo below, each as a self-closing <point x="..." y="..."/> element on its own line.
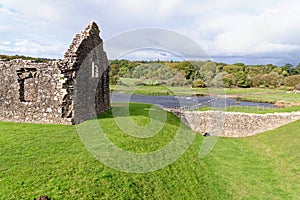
<point x="284" y="104"/>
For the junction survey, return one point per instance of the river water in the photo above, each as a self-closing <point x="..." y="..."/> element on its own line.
<point x="184" y="102"/>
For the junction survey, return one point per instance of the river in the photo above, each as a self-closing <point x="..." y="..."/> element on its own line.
<point x="184" y="102"/>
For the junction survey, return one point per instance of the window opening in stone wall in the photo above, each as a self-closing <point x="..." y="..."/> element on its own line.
<point x="27" y="85"/>
<point x="95" y="70"/>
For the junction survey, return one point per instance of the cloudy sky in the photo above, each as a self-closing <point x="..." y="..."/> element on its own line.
<point x="253" y="32"/>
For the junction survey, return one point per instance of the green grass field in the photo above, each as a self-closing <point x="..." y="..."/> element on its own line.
<point x="51" y="160"/>
<point x="129" y="87"/>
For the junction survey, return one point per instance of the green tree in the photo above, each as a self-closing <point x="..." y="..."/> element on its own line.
<point x="288" y="68"/>
<point x="232" y="69"/>
<point x="239" y="64"/>
<point x="206" y="72"/>
<point x="113" y="73"/>
<point x="188" y="68"/>
<point x="242" y="79"/>
<point x="268" y="68"/>
<point x="224" y="79"/>
<point x="198" y="83"/>
<point x="296" y="70"/>
<point x="124" y="72"/>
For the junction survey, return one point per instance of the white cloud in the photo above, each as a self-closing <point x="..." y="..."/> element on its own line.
<point x="6" y="43"/>
<point x="237" y="30"/>
<point x="33" y="48"/>
<point x="166" y="8"/>
<point x="139" y="40"/>
<point x="30" y="48"/>
<point x="275" y="48"/>
<point x="221" y="27"/>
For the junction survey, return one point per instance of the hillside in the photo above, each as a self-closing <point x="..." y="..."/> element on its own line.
<point x="51" y="160"/>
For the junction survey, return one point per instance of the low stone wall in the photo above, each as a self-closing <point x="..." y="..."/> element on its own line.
<point x="234" y="124"/>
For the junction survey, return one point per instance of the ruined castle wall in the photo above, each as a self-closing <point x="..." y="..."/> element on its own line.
<point x="91" y="88"/>
<point x="60" y="92"/>
<point x="31" y="92"/>
<point x="88" y="60"/>
<point x="234" y="124"/>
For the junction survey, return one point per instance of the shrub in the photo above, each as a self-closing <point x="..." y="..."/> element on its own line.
<point x="292" y="80"/>
<point x="257" y="80"/>
<point x="198" y="83"/>
<point x="297" y="87"/>
<point x="272" y="79"/>
<point x="122" y="83"/>
<point x="139" y="83"/>
<point x="113" y="80"/>
<point x="224" y="79"/>
<point x="177" y="80"/>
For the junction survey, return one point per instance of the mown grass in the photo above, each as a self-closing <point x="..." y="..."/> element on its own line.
<point x="252" y="109"/>
<point x="130" y="87"/>
<point x="161" y="90"/>
<point x="250" y="90"/>
<point x="267" y="97"/>
<point x="51" y="160"/>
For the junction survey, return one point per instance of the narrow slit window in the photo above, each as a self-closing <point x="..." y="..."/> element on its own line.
<point x="95" y="70"/>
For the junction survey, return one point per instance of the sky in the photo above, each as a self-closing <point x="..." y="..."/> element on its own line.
<point x="230" y="31"/>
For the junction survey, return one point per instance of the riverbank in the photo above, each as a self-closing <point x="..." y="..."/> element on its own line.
<point x="188" y="103"/>
<point x="262" y="95"/>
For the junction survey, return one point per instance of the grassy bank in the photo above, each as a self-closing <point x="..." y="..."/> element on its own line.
<point x="253" y="109"/>
<point x="51" y="160"/>
<point x="128" y="86"/>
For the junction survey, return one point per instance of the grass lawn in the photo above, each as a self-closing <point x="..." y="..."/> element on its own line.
<point x="130" y="88"/>
<point x="161" y="90"/>
<point x="269" y="97"/>
<point x="51" y="160"/>
<point x="253" y="109"/>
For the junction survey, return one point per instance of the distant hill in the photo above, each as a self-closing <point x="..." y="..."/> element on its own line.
<point x="8" y="57"/>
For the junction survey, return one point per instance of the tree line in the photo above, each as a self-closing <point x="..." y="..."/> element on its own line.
<point x="198" y="73"/>
<point x="8" y="57"/>
<point x="205" y="74"/>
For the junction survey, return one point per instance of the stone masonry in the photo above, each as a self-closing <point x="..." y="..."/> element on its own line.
<point x="58" y="92"/>
<point x="234" y="124"/>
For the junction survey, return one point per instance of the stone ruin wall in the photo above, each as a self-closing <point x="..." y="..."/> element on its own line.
<point x="234" y="124"/>
<point x="87" y="72"/>
<point x="55" y="92"/>
<point x="31" y="92"/>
